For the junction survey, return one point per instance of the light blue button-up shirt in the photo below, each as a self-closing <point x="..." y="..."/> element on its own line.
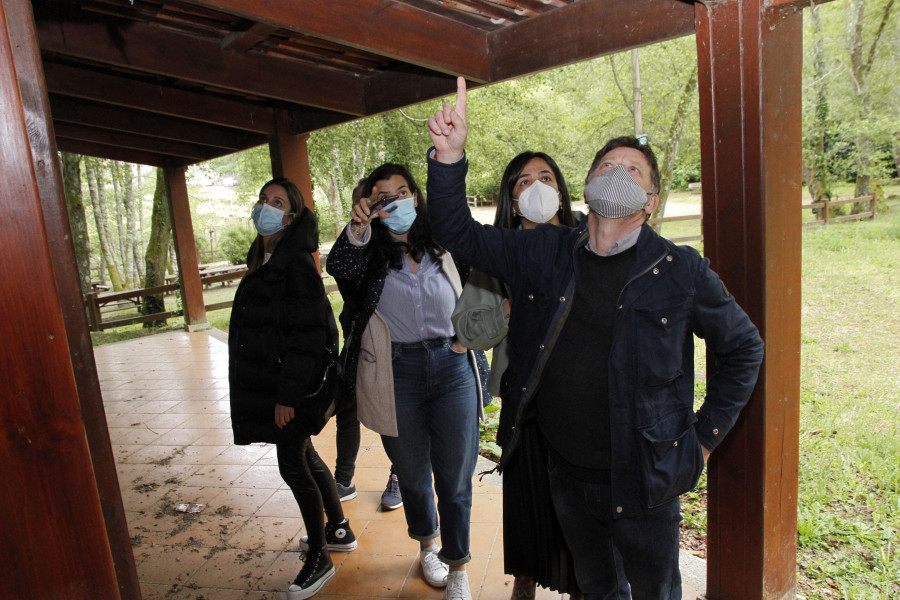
<point x="417" y="306"/>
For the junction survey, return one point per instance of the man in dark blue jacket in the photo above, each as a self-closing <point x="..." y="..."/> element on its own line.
<point x="602" y="358"/>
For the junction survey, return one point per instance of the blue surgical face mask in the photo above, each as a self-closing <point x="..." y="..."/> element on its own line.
<point x="267" y="219"/>
<point x="403" y="214"/>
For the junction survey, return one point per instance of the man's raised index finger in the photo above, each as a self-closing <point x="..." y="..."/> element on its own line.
<point x="461" y="96"/>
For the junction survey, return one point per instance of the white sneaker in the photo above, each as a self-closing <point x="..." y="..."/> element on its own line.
<point x="433" y="570"/>
<point x="457" y="586"/>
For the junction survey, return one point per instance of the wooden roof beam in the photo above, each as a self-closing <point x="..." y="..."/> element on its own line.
<point x="108" y="88"/>
<point x="192" y="152"/>
<point x="163" y="52"/>
<point x="129" y="155"/>
<point x="402" y="87"/>
<point x="106" y="116"/>
<point x="393" y="29"/>
<point x="583" y="30"/>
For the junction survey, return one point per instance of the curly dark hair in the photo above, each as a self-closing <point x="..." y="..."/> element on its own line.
<point x="387" y="250"/>
<point x="504" y="217"/>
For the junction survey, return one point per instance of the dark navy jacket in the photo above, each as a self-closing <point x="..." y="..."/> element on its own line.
<point x="670" y="295"/>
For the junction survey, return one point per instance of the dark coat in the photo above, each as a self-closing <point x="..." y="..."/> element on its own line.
<point x="670" y="295"/>
<point x="279" y="336"/>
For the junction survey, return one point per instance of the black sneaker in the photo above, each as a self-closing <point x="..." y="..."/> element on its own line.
<point x="345" y="492"/>
<point x="390" y="498"/>
<point x="338" y="538"/>
<point x="316" y="572"/>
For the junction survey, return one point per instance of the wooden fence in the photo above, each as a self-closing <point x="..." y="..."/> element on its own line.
<point x="107" y="304"/>
<point x="823" y="210"/>
<point x="104" y="303"/>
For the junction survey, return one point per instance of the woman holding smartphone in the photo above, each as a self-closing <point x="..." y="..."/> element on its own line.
<point x="414" y="383"/>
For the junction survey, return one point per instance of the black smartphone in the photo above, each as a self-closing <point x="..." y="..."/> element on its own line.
<point x="382" y="203"/>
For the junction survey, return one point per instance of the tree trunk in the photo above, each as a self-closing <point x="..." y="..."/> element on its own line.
<point x="636" y="93"/>
<point x="71" y="168"/>
<point x="670" y="146"/>
<point x="860" y="66"/>
<point x="95" y="186"/>
<point x="156" y="258"/>
<point x="132" y="244"/>
<point x="125" y="255"/>
<point x="815" y="160"/>
<point x="334" y="193"/>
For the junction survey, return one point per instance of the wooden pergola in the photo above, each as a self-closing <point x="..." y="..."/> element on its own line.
<point x="170" y="83"/>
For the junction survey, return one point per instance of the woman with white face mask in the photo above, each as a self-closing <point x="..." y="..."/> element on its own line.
<point x="532" y="192"/>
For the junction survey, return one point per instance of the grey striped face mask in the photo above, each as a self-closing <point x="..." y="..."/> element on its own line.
<point x="615" y="194"/>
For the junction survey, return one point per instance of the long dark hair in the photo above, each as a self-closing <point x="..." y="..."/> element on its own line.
<point x="504" y="218"/>
<point x="295" y="198"/>
<point x="386" y="250"/>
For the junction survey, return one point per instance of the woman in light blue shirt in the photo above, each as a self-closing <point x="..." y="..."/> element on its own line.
<point x="413" y="382"/>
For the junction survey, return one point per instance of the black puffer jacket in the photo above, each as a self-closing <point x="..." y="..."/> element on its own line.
<point x="279" y="335"/>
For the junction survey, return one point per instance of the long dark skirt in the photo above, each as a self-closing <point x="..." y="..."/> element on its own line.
<point x="533" y="543"/>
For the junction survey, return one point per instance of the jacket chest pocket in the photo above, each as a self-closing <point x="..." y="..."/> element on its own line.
<point x="660" y="333"/>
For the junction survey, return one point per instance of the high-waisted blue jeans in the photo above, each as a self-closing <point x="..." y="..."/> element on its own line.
<point x="437" y="420"/>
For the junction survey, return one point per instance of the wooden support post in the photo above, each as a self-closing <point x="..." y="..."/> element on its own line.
<point x="750" y="60"/>
<point x="185" y="250"/>
<point x="290" y="158"/>
<point x="53" y="523"/>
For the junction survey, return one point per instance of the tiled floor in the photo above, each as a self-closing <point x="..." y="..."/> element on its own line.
<point x="166" y="399"/>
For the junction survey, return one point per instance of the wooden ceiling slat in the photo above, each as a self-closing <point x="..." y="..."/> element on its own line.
<point x="106" y="116"/>
<point x="193" y="152"/>
<point x="392" y="29"/>
<point x="466" y="18"/>
<point x="153" y="50"/>
<point x="110" y="88"/>
<point x="129" y="155"/>
<point x="245" y="40"/>
<point x="583" y="30"/>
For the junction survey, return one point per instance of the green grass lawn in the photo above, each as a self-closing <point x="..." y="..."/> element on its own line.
<point x="849" y="479"/>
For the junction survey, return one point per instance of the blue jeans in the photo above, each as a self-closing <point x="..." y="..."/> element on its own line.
<point x="645" y="548"/>
<point x="437" y="420"/>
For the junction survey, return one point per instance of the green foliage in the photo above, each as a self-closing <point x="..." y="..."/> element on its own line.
<point x="235" y="242"/>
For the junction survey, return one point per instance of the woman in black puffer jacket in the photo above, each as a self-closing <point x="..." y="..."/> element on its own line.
<point x="280" y="334"/>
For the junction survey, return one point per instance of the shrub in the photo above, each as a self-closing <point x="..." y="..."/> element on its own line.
<point x="236" y="240"/>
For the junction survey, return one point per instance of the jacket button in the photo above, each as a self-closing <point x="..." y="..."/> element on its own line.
<point x="716" y="431"/>
<point x="562" y="298"/>
<point x="619" y="509"/>
<point x="656" y="271"/>
<point x="541" y="347"/>
<point x="523" y="390"/>
<point x="620" y="307"/>
<point x="531" y="296"/>
<point x="675" y="443"/>
<point x="664" y="320"/>
<point x="669" y="258"/>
